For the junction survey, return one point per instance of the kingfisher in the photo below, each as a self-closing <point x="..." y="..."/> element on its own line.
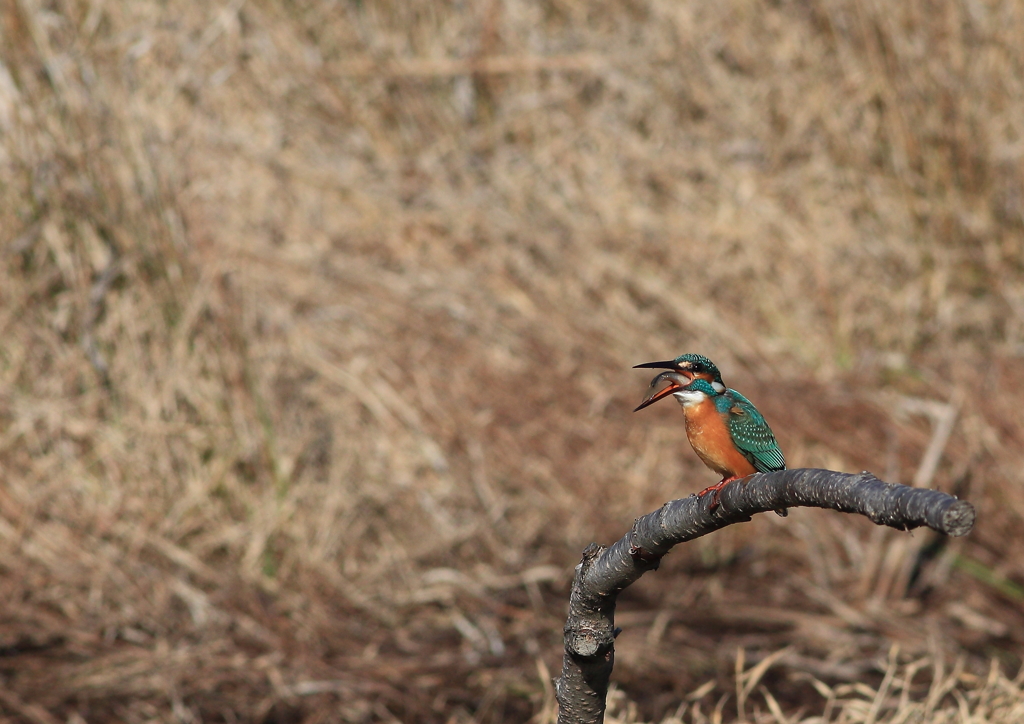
<point x="724" y="428"/>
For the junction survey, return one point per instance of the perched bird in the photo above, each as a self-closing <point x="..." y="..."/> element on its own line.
<point x="724" y="428"/>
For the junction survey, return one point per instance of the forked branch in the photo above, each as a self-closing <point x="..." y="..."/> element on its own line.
<point x="604" y="572"/>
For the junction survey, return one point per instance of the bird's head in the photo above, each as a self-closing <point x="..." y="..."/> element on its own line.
<point x="693" y="367"/>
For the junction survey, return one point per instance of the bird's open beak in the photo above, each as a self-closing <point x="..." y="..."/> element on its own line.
<point x="676" y="384"/>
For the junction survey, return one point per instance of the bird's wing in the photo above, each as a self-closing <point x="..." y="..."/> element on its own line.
<point x="752" y="435"/>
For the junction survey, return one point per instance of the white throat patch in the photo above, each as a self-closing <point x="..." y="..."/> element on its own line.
<point x="689" y="398"/>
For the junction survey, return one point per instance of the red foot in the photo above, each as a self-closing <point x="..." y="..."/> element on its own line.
<point x="716" y="491"/>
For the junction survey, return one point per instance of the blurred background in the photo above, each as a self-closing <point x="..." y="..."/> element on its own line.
<point x="316" y="328"/>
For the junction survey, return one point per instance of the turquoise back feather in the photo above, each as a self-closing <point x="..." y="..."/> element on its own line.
<point x="750" y="432"/>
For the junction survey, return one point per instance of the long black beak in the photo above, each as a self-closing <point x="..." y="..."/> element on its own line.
<point x="666" y="365"/>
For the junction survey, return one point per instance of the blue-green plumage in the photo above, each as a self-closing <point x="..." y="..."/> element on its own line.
<point x="747" y="427"/>
<point x="698" y="364"/>
<point x="750" y="432"/>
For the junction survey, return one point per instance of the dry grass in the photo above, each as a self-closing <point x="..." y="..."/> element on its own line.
<point x="316" y="321"/>
<point x="910" y="692"/>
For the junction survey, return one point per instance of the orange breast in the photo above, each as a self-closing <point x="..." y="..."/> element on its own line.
<point x="710" y="438"/>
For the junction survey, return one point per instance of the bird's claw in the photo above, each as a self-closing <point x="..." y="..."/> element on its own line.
<point x="716" y="493"/>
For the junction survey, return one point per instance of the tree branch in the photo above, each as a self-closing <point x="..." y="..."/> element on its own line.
<point x="604" y="572"/>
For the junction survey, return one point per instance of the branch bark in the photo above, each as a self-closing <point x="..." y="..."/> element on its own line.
<point x="604" y="572"/>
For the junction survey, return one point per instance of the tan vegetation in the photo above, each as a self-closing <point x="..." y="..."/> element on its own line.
<point x="316" y="321"/>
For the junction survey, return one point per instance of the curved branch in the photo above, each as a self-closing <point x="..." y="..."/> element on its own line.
<point x="604" y="572"/>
